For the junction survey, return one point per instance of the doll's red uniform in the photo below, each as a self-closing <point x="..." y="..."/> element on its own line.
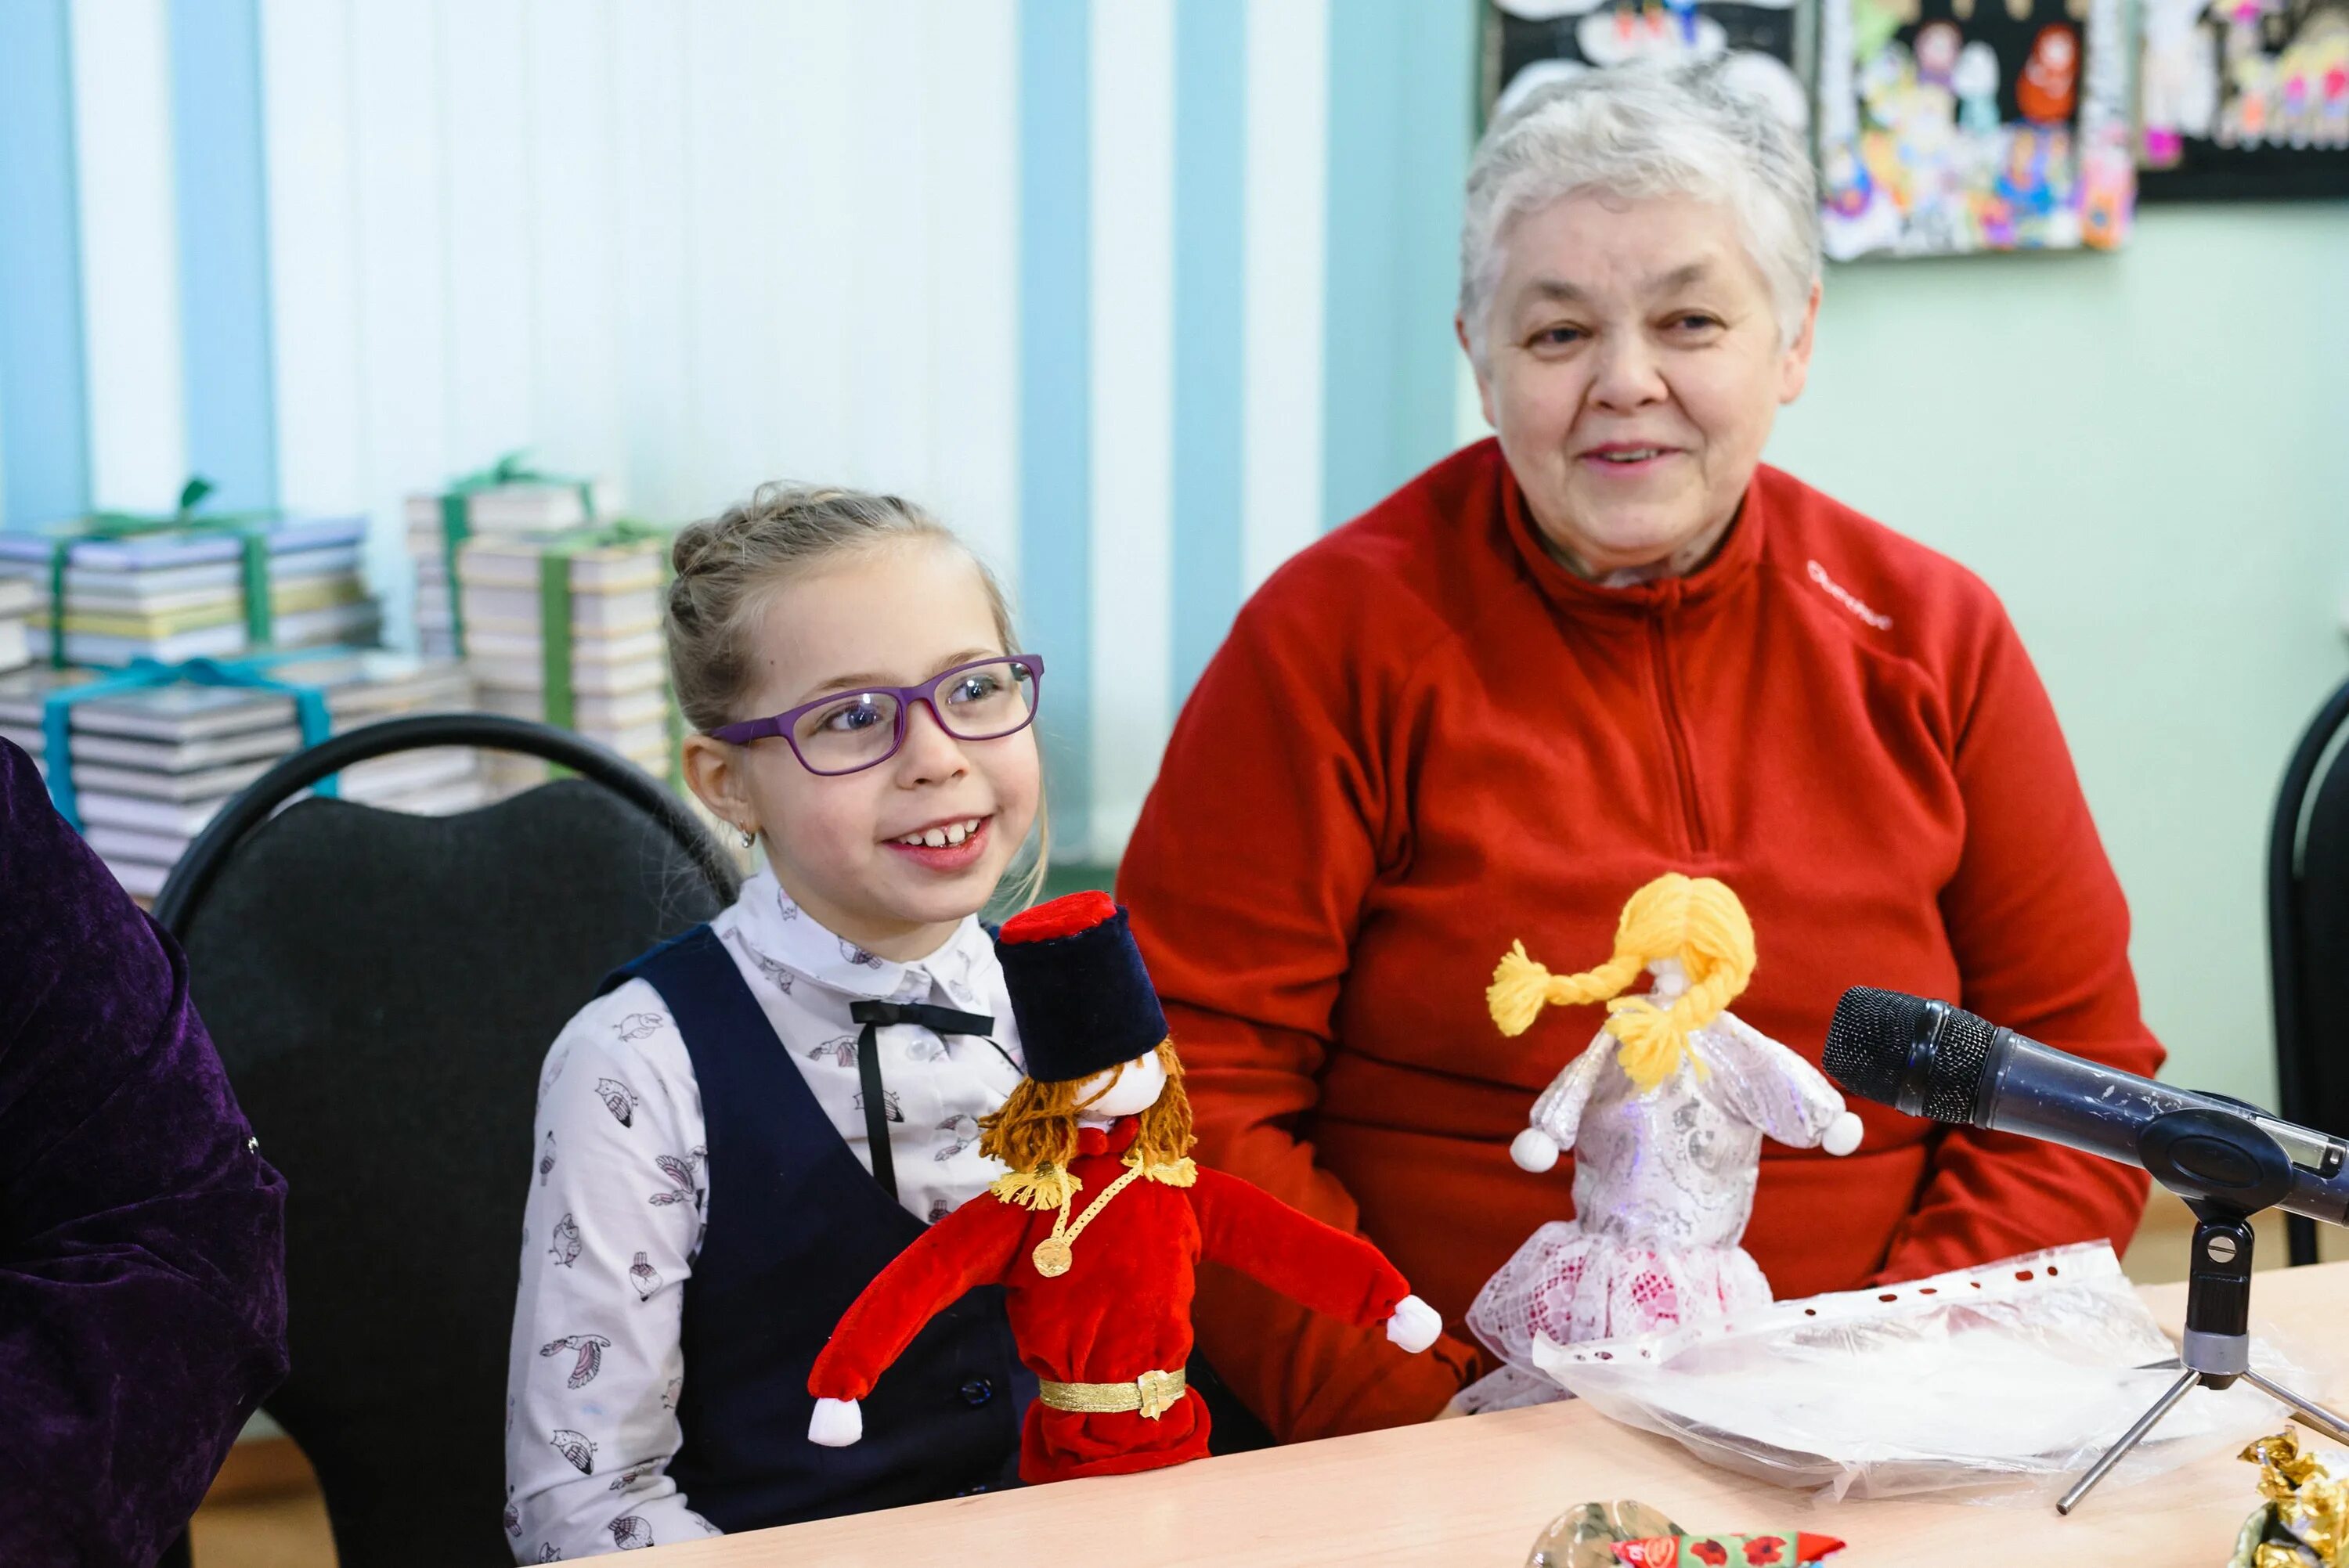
<point x="1123" y="1309"/>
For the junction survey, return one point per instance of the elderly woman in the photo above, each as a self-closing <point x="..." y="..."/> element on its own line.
<point x="1607" y="645"/>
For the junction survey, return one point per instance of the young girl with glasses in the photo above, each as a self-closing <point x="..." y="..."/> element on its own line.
<point x="754" y="1118"/>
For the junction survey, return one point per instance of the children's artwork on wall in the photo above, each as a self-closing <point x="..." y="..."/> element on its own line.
<point x="2243" y="99"/>
<point x="1954" y="126"/>
<point x="1529" y="43"/>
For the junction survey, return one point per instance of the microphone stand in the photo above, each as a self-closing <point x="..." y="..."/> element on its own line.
<point x="2227" y="1169"/>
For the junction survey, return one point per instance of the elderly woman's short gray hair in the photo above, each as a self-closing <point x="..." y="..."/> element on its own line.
<point x="1636" y="132"/>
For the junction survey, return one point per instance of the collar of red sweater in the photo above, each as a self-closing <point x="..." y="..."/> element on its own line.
<point x="1114" y="1138"/>
<point x="1731" y="566"/>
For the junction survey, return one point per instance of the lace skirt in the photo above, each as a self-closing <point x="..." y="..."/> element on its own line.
<point x="1575" y="1286"/>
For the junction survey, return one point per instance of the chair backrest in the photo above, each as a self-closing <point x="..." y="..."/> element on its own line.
<point x="382" y="989"/>
<point x="2308" y="919"/>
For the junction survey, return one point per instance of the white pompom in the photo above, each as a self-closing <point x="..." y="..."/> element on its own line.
<point x="836" y="1423"/>
<point x="1842" y="1134"/>
<point x="1534" y="1151"/>
<point x="1414" y="1324"/>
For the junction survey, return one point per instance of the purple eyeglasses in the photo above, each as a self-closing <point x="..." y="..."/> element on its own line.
<point x="850" y="731"/>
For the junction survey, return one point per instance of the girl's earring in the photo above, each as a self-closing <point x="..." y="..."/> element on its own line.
<point x="748" y="837"/>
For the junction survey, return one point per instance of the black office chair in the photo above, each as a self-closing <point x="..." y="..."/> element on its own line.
<point x="2308" y="938"/>
<point x="382" y="988"/>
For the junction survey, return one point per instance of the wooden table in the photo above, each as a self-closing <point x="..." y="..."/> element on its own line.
<point x="1478" y="1490"/>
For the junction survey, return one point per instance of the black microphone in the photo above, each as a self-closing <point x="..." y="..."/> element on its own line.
<point x="1931" y="1060"/>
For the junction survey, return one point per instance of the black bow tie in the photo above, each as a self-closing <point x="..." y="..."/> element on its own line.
<point x="937" y="1020"/>
<point x="873" y="1016"/>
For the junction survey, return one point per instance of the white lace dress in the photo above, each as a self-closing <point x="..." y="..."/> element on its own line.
<point x="1663" y="1184"/>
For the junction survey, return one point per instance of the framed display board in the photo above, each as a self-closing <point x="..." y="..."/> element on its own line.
<point x="1941" y="127"/>
<point x="2243" y="99"/>
<point x="1527" y="42"/>
<point x="1954" y="126"/>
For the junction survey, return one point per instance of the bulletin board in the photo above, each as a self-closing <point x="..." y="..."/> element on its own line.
<point x="1528" y="42"/>
<point x="1947" y="126"/>
<point x="2243" y="99"/>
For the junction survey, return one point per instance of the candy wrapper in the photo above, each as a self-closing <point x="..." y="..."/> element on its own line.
<point x="1609" y="1534"/>
<point x="2304" y="1523"/>
<point x="1586" y="1535"/>
<point x="1779" y="1548"/>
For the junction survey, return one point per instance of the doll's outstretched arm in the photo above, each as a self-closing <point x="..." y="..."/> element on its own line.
<point x="1557" y="1117"/>
<point x="1244" y="1227"/>
<point x="970" y="1247"/>
<point x="1776" y="1091"/>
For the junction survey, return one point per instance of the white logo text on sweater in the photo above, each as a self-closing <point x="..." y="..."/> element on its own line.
<point x="1849" y="601"/>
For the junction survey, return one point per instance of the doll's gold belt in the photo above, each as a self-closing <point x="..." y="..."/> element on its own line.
<point x="1154" y="1393"/>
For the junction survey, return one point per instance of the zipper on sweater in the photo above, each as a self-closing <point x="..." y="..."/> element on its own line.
<point x="1668" y="698"/>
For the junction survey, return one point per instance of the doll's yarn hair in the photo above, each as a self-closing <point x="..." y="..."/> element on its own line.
<point x="1035" y="1133"/>
<point x="1696" y="920"/>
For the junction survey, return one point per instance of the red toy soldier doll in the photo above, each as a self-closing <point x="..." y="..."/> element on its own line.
<point x="1096" y="1231"/>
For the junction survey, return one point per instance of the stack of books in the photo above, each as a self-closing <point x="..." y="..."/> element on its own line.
<point x="501" y="510"/>
<point x="18" y="597"/>
<point x="23" y="695"/>
<point x="617" y="674"/>
<point x="152" y="766"/>
<point x="178" y="594"/>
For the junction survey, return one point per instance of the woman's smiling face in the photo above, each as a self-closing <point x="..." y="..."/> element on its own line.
<point x="1633" y="368"/>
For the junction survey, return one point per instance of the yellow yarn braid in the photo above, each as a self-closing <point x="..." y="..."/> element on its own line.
<point x="1696" y="920"/>
<point x="1521" y="988"/>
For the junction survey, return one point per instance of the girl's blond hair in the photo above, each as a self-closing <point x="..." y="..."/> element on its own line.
<point x="1695" y="920"/>
<point x="727" y="567"/>
<point x="1035" y="1133"/>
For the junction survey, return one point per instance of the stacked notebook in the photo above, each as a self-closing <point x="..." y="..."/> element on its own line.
<point x="612" y="685"/>
<point x="175" y="595"/>
<point x="22" y="695"/>
<point x="617" y="672"/>
<point x="503" y="511"/>
<point x="19" y="596"/>
<point x="152" y="766"/>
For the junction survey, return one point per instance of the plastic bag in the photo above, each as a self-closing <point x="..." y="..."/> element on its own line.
<point x="1998" y="1383"/>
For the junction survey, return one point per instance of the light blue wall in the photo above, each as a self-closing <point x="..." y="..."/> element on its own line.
<point x="1137" y="294"/>
<point x="2146" y="454"/>
<point x="382" y="271"/>
<point x="44" y="439"/>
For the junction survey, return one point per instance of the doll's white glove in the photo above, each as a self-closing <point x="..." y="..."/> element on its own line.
<point x="1534" y="1151"/>
<point x="1414" y="1324"/>
<point x="836" y="1423"/>
<point x="1842" y="1134"/>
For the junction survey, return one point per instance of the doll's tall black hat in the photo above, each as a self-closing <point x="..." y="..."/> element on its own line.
<point x="1079" y="989"/>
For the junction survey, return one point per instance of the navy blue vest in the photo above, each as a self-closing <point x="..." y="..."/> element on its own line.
<point x="797" y="1229"/>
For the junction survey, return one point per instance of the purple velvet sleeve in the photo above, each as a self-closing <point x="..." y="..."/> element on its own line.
<point x="142" y="1283"/>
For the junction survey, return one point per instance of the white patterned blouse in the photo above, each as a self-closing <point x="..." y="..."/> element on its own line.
<point x="618" y="1201"/>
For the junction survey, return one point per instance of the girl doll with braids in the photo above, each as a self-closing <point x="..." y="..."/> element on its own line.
<point x="1665" y="1111"/>
<point x="1096" y="1231"/>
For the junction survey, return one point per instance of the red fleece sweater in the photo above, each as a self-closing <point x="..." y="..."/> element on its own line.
<point x="1124" y="1308"/>
<point x="1424" y="739"/>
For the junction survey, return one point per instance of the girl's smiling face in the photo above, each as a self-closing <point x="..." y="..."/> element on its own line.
<point x="893" y="614"/>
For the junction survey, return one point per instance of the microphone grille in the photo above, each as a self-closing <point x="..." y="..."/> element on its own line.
<point x="1867" y="1041"/>
<point x="1873" y="1032"/>
<point x="1954" y="1080"/>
